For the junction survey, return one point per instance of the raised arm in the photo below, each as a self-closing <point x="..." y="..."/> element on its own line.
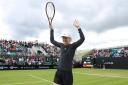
<point x="82" y="38"/>
<point x="52" y="36"/>
<point x="58" y="44"/>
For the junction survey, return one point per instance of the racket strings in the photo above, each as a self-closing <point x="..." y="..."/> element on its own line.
<point x="50" y="10"/>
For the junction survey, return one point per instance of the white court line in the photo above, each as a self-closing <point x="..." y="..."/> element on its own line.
<point x="36" y="77"/>
<point x="21" y="83"/>
<point x="101" y="75"/>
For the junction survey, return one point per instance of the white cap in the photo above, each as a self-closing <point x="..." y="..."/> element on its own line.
<point x="66" y="35"/>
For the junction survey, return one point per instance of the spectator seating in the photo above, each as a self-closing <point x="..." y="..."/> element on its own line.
<point x="14" y="52"/>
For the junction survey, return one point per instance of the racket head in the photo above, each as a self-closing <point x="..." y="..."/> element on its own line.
<point x="50" y="11"/>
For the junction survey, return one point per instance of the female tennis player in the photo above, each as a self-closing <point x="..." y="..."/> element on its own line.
<point x="63" y="75"/>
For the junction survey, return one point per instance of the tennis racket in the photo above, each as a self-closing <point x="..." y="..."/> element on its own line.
<point x="50" y="11"/>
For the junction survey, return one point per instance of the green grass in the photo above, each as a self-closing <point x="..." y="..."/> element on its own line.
<point x="81" y="77"/>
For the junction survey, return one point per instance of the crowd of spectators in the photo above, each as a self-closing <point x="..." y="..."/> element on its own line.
<point x="111" y="52"/>
<point x="14" y="52"/>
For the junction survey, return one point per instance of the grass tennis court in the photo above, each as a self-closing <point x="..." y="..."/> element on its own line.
<point x="81" y="77"/>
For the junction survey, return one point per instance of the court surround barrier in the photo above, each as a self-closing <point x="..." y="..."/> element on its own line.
<point x="111" y="62"/>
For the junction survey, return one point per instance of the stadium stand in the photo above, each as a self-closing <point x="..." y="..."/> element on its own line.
<point x="110" y="57"/>
<point x="30" y="54"/>
<point x="14" y="52"/>
<point x="110" y="52"/>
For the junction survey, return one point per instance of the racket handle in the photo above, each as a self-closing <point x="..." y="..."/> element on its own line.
<point x="50" y="25"/>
